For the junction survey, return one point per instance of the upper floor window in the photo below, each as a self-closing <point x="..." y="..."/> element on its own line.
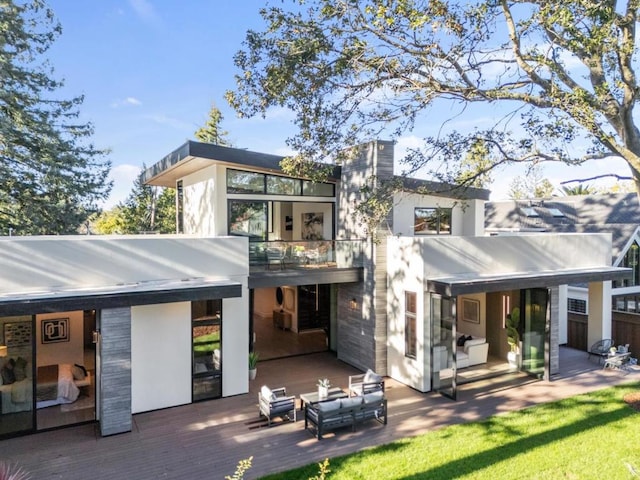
<point x="242" y="181"/>
<point x="432" y="221"/>
<point x="631" y="260"/>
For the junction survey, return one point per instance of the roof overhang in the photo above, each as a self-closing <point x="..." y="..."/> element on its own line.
<point x="468" y="283"/>
<point x="193" y="156"/>
<point x="116" y="296"/>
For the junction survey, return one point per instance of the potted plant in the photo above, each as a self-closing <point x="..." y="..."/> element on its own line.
<point x="323" y="387"/>
<point x="513" y="337"/>
<point x="253" y="364"/>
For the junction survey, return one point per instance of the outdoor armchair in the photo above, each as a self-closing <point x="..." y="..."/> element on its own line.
<point x="275" y="403"/>
<point x="601" y="349"/>
<point x="365" y="383"/>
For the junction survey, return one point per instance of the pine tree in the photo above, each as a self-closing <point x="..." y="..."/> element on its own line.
<point x="51" y="175"/>
<point x="212" y="132"/>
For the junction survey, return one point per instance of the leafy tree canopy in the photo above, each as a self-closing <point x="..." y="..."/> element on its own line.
<point x="531" y="185"/>
<point x="147" y="209"/>
<point x="51" y="176"/>
<point x="563" y="72"/>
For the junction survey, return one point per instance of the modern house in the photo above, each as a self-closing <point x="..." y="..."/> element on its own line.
<point x="617" y="214"/>
<point x="281" y="265"/>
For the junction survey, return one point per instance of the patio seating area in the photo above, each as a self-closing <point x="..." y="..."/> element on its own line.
<point x="207" y="439"/>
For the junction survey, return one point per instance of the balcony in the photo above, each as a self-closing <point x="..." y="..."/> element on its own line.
<point x="302" y="255"/>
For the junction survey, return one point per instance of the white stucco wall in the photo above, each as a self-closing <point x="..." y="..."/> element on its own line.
<point x="413" y="260"/>
<point x="160" y="356"/>
<point x="202" y="194"/>
<point x="406" y="274"/>
<point x="76" y="262"/>
<point x="467" y="217"/>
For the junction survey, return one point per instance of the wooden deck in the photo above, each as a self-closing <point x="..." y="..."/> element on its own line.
<point x="206" y="440"/>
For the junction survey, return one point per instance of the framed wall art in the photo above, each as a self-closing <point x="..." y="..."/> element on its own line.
<point x="470" y="310"/>
<point x="17" y="334"/>
<point x="55" y="330"/>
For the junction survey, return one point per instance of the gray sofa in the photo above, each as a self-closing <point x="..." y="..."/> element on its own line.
<point x="345" y="412"/>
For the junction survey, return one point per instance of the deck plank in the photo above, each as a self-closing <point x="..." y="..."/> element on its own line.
<point x="207" y="439"/>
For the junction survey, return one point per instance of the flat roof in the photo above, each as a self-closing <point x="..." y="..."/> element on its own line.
<point x="119" y="295"/>
<point x="472" y="282"/>
<point x="193" y="156"/>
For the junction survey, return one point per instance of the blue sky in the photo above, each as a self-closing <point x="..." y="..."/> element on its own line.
<point x="150" y="70"/>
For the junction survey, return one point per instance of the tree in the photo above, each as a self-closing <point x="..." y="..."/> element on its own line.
<point x="531" y="185"/>
<point x="212" y="131"/>
<point x="147" y="209"/>
<point x="475" y="166"/>
<point x="51" y="176"/>
<point x="352" y="70"/>
<point x="577" y="190"/>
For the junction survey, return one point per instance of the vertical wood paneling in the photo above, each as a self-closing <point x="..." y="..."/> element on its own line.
<point x="115" y="371"/>
<point x="362" y="339"/>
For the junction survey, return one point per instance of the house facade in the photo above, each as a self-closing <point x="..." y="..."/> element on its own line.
<point x="280" y="265"/>
<point x="617" y="214"/>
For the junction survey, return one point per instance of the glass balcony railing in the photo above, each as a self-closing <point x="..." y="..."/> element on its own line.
<point x="279" y="255"/>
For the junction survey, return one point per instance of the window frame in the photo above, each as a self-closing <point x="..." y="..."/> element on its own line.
<point x="436" y="216"/>
<point x="410" y="325"/>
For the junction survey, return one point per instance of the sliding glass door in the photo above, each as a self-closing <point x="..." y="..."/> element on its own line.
<point x="443" y="349"/>
<point x="206" y="325"/>
<point x="534" y="331"/>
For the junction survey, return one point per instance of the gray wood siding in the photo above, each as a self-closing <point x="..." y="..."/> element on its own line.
<point x="362" y="337"/>
<point x="115" y="371"/>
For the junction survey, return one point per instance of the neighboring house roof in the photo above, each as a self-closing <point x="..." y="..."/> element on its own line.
<point x="615" y="213"/>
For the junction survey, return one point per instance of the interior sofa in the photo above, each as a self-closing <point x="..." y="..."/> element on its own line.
<point x="471" y="351"/>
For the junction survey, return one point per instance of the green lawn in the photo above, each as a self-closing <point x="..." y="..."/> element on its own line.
<point x="588" y="436"/>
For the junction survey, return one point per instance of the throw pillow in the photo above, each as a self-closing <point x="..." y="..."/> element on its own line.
<point x="461" y="340"/>
<point x="266" y="392"/>
<point x="8" y="377"/>
<point x="20" y="369"/>
<point x="371" y="377"/>
<point x="78" y="373"/>
<point x="81" y="367"/>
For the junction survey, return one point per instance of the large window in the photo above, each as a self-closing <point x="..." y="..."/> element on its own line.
<point x="630" y="260"/>
<point x="432" y="221"/>
<point x="410" y="325"/>
<point x="242" y="181"/>
<point x="249" y="219"/>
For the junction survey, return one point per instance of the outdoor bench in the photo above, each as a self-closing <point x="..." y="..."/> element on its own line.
<point x="324" y="416"/>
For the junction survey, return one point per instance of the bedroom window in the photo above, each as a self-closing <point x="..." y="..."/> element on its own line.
<point x="432" y="221"/>
<point x="410" y="325"/>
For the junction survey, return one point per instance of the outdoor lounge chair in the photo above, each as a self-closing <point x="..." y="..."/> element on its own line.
<point x="276" y="403"/>
<point x="601" y="349"/>
<point x="365" y="383"/>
